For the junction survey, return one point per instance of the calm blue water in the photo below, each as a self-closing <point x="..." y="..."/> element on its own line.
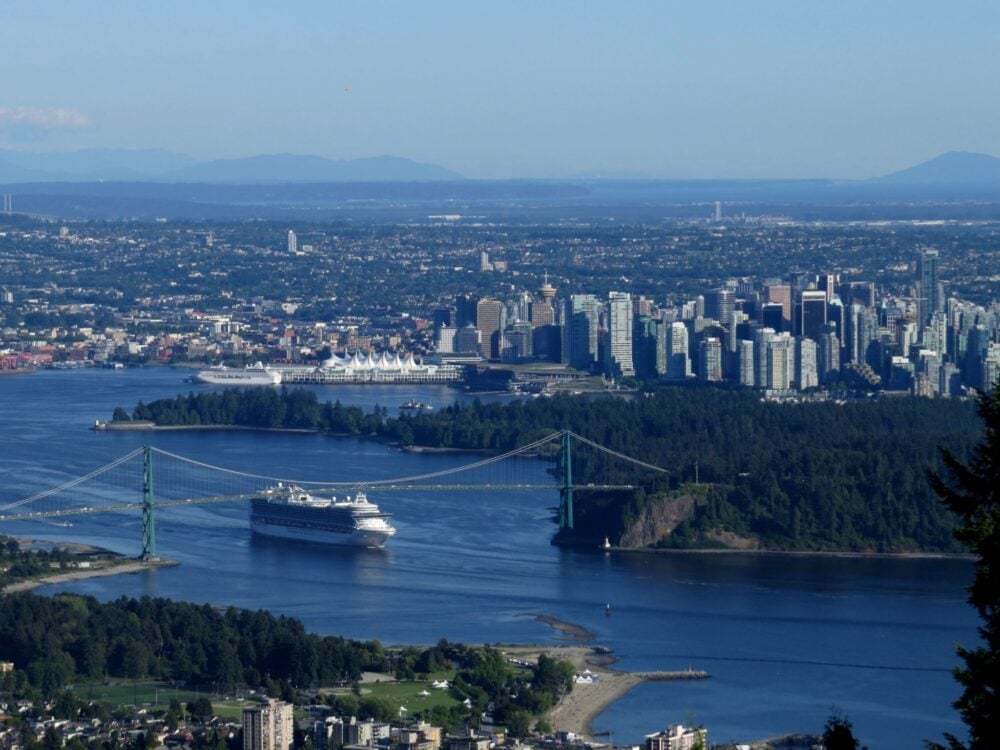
<point x="785" y="638"/>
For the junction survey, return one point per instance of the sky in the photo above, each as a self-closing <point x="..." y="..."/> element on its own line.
<point x="500" y="89"/>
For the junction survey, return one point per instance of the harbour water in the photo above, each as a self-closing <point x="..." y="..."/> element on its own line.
<point x="786" y="638"/>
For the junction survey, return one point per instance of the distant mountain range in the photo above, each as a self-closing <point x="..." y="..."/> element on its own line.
<point x="952" y="168"/>
<point x="947" y="171"/>
<point x="154" y="165"/>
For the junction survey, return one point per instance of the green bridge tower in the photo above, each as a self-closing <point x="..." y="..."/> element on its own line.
<point x="566" y="477"/>
<point x="148" y="518"/>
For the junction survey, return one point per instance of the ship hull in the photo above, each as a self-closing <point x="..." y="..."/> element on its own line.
<point x="356" y="538"/>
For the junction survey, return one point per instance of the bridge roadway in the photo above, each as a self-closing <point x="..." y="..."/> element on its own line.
<point x="139" y="505"/>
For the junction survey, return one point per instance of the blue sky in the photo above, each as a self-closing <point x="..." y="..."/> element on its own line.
<point x="509" y="89"/>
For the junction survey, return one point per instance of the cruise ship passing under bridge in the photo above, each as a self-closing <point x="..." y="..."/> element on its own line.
<point x="126" y="484"/>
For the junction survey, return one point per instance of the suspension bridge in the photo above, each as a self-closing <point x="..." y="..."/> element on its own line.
<point x="126" y="484"/>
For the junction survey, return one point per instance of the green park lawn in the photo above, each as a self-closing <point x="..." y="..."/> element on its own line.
<point x="155" y="695"/>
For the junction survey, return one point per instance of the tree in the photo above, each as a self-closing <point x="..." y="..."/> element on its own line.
<point x="120" y="415"/>
<point x="839" y="733"/>
<point x="972" y="491"/>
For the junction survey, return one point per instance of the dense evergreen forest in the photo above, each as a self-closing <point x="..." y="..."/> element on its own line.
<point x="825" y="475"/>
<point x="54" y="641"/>
<point x="60" y="639"/>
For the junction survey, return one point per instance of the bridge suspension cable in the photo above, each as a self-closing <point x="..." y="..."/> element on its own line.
<point x="372" y="483"/>
<point x="616" y="454"/>
<point x="73" y="482"/>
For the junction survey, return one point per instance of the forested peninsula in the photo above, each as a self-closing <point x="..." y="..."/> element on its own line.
<point x="828" y="476"/>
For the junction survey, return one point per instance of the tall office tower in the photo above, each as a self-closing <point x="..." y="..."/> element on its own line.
<point x="990" y="368"/>
<point x="444" y="342"/>
<point x="951" y="380"/>
<point x="718" y="211"/>
<point x="773" y="316"/>
<point x="762" y="372"/>
<point x="828" y="282"/>
<point x="928" y="369"/>
<point x="746" y="364"/>
<point x="806" y="371"/>
<point x="828" y="354"/>
<point x="489" y="321"/>
<point x="861" y="331"/>
<point x="936" y="334"/>
<point x="661" y="347"/>
<point x="710" y="360"/>
<point x="644" y="346"/>
<point x="618" y="361"/>
<point x="465" y="310"/>
<point x="583" y="317"/>
<point x="293" y="242"/>
<point x="699" y="306"/>
<point x="484" y="262"/>
<point x="541" y="313"/>
<point x="931" y="300"/>
<point x="719" y="305"/>
<point x="812" y="314"/>
<point x="780" y="362"/>
<point x="857" y="292"/>
<point x="907" y="335"/>
<point x="268" y="726"/>
<point x="678" y="358"/>
<point x="443" y="316"/>
<point x="467" y="340"/>
<point x="781" y="294"/>
<point x="516" y="342"/>
<point x="976" y="347"/>
<point x="546" y="342"/>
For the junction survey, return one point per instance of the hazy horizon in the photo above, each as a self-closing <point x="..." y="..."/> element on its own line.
<point x="722" y="90"/>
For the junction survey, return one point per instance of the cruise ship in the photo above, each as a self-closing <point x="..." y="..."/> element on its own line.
<point x="258" y="374"/>
<point x="288" y="512"/>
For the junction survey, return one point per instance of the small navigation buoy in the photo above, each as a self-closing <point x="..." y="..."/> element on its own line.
<point x="607" y="544"/>
<point x="607" y="608"/>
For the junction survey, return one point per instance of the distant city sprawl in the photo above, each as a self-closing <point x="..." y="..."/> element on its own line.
<point x="756" y="301"/>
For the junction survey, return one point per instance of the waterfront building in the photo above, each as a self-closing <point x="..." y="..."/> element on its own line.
<point x="444" y="340"/>
<point x="678" y="737"/>
<point x="268" y="726"/>
<point x="467" y="340"/>
<point x="619" y="352"/>
<point x="368" y="368"/>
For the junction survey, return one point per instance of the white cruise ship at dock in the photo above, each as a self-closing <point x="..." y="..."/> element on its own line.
<point x="257" y="374"/>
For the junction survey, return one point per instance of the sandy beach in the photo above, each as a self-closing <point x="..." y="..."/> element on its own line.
<point x="577" y="710"/>
<point x="118" y="568"/>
